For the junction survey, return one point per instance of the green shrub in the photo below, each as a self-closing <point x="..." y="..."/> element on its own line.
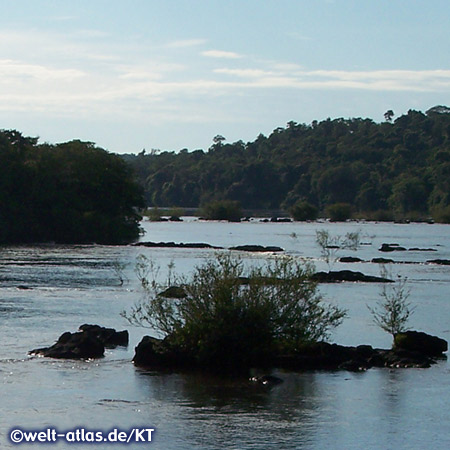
<point x="229" y="321"/>
<point x="393" y="310"/>
<point x="222" y="210"/>
<point x="442" y="215"/>
<point x="339" y="212"/>
<point x="303" y="211"/>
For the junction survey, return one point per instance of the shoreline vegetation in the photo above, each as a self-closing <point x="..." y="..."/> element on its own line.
<point x="397" y="170"/>
<point x="340" y="169"/>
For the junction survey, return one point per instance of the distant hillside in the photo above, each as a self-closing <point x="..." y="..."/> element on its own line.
<point x="397" y="168"/>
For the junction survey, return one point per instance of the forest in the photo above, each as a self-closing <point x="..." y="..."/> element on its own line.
<point x="397" y="169"/>
<point x="65" y="193"/>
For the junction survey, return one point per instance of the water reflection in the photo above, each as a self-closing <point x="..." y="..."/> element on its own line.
<point x="233" y="413"/>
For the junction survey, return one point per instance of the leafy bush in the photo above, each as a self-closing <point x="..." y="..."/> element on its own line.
<point x="331" y="245"/>
<point x="303" y="211"/>
<point x="229" y="321"/>
<point x="223" y="210"/>
<point x="393" y="311"/>
<point x="442" y="215"/>
<point x="339" y="212"/>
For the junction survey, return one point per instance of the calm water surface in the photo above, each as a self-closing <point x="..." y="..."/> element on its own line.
<point x="46" y="290"/>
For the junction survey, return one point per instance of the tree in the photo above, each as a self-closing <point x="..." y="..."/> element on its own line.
<point x="388" y="115"/>
<point x="393" y="311"/>
<point x="303" y="211"/>
<point x="331" y="245"/>
<point x="223" y="210"/>
<point x="233" y="319"/>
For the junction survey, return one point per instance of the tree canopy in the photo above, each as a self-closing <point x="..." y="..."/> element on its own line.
<point x="397" y="168"/>
<point x="66" y="193"/>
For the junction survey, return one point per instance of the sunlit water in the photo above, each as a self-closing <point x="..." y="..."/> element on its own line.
<point x="46" y="290"/>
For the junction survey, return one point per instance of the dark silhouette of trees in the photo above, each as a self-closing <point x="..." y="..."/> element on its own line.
<point x="65" y="193"/>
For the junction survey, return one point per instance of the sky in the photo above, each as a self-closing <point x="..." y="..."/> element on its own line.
<point x="172" y="74"/>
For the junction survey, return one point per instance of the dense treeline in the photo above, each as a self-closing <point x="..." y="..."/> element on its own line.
<point x="392" y="169"/>
<point x="65" y="193"/>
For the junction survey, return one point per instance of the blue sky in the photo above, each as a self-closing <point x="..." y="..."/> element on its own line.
<point x="172" y="74"/>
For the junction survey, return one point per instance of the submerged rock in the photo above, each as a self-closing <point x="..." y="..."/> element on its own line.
<point x="176" y="245"/>
<point x="347" y="275"/>
<point x="267" y="380"/>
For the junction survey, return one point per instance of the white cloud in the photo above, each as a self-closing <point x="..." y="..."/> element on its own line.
<point x="221" y="54"/>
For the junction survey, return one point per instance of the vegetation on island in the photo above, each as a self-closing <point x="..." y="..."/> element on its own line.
<point x="230" y="318"/>
<point x="397" y="169"/>
<point x="66" y="193"/>
<point x="393" y="311"/>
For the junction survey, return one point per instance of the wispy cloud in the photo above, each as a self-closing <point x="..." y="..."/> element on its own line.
<point x="186" y="43"/>
<point x="221" y="54"/>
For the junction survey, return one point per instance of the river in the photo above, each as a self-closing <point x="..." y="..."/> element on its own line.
<point x="47" y="290"/>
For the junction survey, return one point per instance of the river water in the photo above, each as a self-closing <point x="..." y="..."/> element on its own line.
<point x="47" y="290"/>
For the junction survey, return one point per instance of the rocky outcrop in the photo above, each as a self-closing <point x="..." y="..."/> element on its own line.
<point x="350" y="259"/>
<point x="391" y="248"/>
<point x="347" y="275"/>
<point x="419" y="342"/>
<point x="78" y="345"/>
<point x="257" y="248"/>
<point x="176" y="245"/>
<point x="441" y="262"/>
<point x="108" y="336"/>
<point x="89" y="342"/>
<point x="161" y="354"/>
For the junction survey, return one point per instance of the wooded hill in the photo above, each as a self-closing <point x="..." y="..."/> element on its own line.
<point x="397" y="168"/>
<point x="65" y="193"/>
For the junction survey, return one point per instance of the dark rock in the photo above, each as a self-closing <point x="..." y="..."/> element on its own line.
<point x="415" y="341"/>
<point x="321" y="356"/>
<point x="350" y="259"/>
<point x="347" y="275"/>
<point x="173" y="292"/>
<point x="108" y="336"/>
<point x="442" y="262"/>
<point x="267" y="380"/>
<point x="175" y="219"/>
<point x="175" y="245"/>
<point x="257" y="248"/>
<point x="416" y="249"/>
<point x="382" y="260"/>
<point x="397" y="358"/>
<point x="160" y="354"/>
<point x="78" y="345"/>
<point x="391" y="248"/>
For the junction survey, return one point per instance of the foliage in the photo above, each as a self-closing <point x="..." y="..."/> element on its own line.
<point x="339" y="212"/>
<point x="393" y="311"/>
<point x="331" y="245"/>
<point x="303" y="211"/>
<point x="222" y="210"/>
<point x="226" y="322"/>
<point x="369" y="165"/>
<point x="66" y="193"/>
